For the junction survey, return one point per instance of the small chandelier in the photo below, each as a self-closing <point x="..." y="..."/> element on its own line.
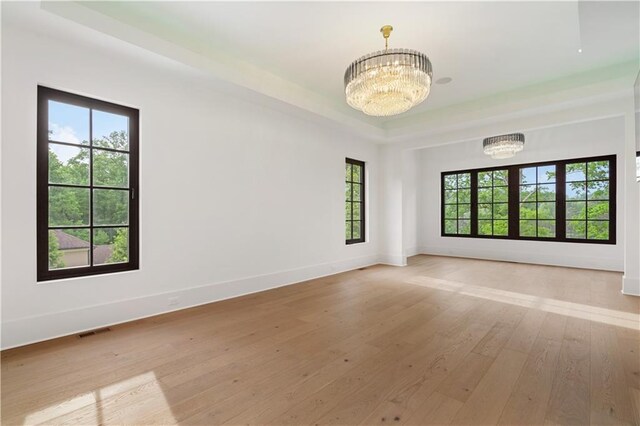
<point x="503" y="146"/>
<point x="389" y="81"/>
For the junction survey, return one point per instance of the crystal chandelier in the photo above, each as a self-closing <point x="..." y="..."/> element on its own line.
<point x="389" y="81"/>
<point x="503" y="146"/>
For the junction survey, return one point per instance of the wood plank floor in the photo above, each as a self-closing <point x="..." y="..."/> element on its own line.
<point x="442" y="341"/>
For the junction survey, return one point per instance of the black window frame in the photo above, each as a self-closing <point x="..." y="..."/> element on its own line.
<point x="362" y="201"/>
<point x="46" y="94"/>
<point x="514" y="201"/>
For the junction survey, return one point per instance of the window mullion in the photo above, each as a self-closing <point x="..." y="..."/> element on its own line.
<point x="514" y="201"/>
<point x="561" y="201"/>
<point x="473" y="215"/>
<point x="91" y="187"/>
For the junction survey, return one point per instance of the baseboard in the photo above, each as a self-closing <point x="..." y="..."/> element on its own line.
<point x="392" y="259"/>
<point x="630" y="286"/>
<point x="536" y="258"/>
<point x="35" y="329"/>
<point x="411" y="251"/>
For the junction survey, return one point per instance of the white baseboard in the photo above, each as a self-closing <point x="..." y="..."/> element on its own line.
<point x="630" y="286"/>
<point x="34" y="329"/>
<point x="411" y="251"/>
<point x="537" y="258"/>
<point x="392" y="259"/>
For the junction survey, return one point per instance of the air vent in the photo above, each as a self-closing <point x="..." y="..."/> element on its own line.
<point x="92" y="332"/>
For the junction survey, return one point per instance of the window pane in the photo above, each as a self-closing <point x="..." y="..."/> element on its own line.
<point x="528" y="211"/>
<point x="576" y="172"/>
<point x="451" y="196"/>
<point x="67" y="250"/>
<point x="356" y="230"/>
<point x="110" y="168"/>
<point x="484" y="227"/>
<point x="464" y="180"/>
<point x="598" y="210"/>
<point x="485" y="195"/>
<point x="501" y="211"/>
<point x="546" y="228"/>
<point x="110" y="207"/>
<point x="598" y="190"/>
<point x="597" y="170"/>
<point x="110" y="245"/>
<point x="347" y="192"/>
<point x="547" y="192"/>
<point x="357" y="188"/>
<point x="485" y="179"/>
<point x="110" y="130"/>
<point x="576" y="229"/>
<point x="501" y="227"/>
<point x="357" y="173"/>
<point x="347" y="210"/>
<point x="576" y="191"/>
<point x="68" y="164"/>
<point x="464" y="196"/>
<point x="347" y="231"/>
<point x="356" y="211"/>
<point x="500" y="194"/>
<point x="576" y="210"/>
<point x="450" y="211"/>
<point x="464" y="227"/>
<point x="528" y="175"/>
<point x="546" y="210"/>
<point x="451" y="182"/>
<point x="546" y="174"/>
<point x="464" y="211"/>
<point x="501" y="178"/>
<point x="451" y="226"/>
<point x="485" y="211"/>
<point x="598" y="230"/>
<point x="527" y="228"/>
<point x="68" y="206"/>
<point x="68" y="123"/>
<point x="348" y="173"/>
<point x="528" y="193"/>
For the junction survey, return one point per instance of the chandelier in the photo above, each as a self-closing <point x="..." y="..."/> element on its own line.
<point x="389" y="81"/>
<point x="503" y="146"/>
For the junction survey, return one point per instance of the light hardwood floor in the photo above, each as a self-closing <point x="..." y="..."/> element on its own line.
<point x="442" y="341"/>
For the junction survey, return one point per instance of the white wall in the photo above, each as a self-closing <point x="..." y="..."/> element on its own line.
<point x="585" y="139"/>
<point x="235" y="196"/>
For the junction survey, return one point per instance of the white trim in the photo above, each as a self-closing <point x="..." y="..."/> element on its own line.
<point x="392" y="260"/>
<point x="35" y="329"/>
<point x="567" y="260"/>
<point x="630" y="286"/>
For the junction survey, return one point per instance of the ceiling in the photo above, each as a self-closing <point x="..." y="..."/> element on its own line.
<point x="487" y="48"/>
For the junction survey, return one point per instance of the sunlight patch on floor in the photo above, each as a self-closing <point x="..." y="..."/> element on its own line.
<point x="99" y="406"/>
<point x="576" y="310"/>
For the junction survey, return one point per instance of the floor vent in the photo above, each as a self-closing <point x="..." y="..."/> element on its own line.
<point x="92" y="332"/>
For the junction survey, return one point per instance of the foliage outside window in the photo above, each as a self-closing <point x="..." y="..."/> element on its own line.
<point x="354" y="201"/>
<point x="588" y="201"/>
<point x="566" y="200"/>
<point x="538" y="201"/>
<point x="87" y="177"/>
<point x="493" y="202"/>
<point x="457" y="204"/>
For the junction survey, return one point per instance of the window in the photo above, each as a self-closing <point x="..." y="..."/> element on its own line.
<point x="568" y="200"/>
<point x="587" y="200"/>
<point x="538" y="201"/>
<point x="354" y="201"/>
<point x="493" y="202"/>
<point x="87" y="186"/>
<point x="457" y="204"/>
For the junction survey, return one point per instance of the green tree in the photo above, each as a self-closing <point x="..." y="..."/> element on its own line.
<point x="120" y="248"/>
<point x="55" y="255"/>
